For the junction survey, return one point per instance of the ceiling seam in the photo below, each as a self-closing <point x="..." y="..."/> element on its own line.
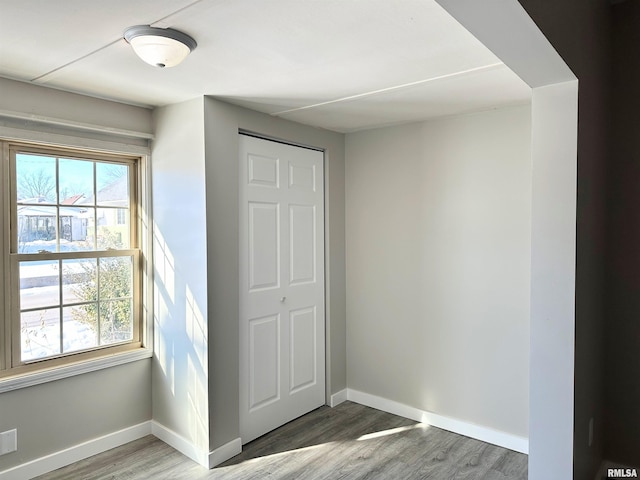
<point x="161" y="23"/>
<point x="40" y="77"/>
<point x="391" y="89"/>
<point x="158" y="23"/>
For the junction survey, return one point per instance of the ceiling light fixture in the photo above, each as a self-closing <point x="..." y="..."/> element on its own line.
<point x="160" y="47"/>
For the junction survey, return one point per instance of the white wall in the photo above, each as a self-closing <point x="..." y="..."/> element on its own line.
<point x="195" y="211"/>
<point x="553" y="281"/>
<point x="438" y="266"/>
<point x="180" y="363"/>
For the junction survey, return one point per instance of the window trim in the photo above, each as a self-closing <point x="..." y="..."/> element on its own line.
<point x="5" y="337"/>
<point x="30" y="379"/>
<point x="15" y="376"/>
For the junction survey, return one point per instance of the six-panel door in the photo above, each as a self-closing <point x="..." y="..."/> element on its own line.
<point x="282" y="365"/>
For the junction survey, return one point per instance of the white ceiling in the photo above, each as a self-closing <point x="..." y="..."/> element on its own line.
<point x="344" y="65"/>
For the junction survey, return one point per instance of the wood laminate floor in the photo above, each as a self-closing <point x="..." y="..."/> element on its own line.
<point x="349" y="441"/>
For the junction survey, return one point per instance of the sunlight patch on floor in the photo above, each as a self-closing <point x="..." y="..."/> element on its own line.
<point x="392" y="431"/>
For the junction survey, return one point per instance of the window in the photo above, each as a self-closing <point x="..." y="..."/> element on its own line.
<point x="122" y="216"/>
<point x="74" y="258"/>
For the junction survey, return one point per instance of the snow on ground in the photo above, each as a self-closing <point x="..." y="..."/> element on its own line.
<point x="43" y="340"/>
<point x="41" y="329"/>
<point x="51" y="246"/>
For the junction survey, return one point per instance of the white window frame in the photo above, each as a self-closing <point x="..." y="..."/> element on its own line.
<point x="15" y="374"/>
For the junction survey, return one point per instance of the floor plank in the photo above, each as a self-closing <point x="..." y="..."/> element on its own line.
<point x="349" y="441"/>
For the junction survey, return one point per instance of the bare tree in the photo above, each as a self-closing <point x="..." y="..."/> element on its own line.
<point x="37" y="184"/>
<point x="112" y="173"/>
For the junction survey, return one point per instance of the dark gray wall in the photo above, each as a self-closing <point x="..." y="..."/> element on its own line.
<point x="580" y="30"/>
<point x="622" y="379"/>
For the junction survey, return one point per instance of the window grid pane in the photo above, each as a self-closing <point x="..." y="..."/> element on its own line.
<point x="40" y="333"/>
<point x="69" y="304"/>
<point x="56" y="199"/>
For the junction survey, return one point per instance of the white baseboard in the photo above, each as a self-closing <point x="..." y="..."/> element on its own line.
<point x="86" y="449"/>
<point x="181" y="444"/>
<point x="76" y="453"/>
<point x="225" y="452"/>
<point x="70" y="455"/>
<point x="489" y="435"/>
<point x="188" y="449"/>
<point x="338" y="398"/>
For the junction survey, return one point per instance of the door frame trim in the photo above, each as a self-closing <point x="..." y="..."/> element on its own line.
<point x="249" y="133"/>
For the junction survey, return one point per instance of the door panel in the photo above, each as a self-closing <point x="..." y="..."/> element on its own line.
<point x="282" y="324"/>
<point x="302" y="177"/>
<point x="264" y="361"/>
<point x="303" y="348"/>
<point x="263" y="171"/>
<point x="302" y="245"/>
<point x="264" y="245"/>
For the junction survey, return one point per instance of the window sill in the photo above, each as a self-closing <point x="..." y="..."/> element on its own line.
<point x="43" y="376"/>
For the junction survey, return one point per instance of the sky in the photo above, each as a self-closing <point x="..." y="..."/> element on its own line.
<point x="75" y="176"/>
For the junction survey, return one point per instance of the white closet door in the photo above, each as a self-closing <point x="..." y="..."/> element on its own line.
<point x="282" y="324"/>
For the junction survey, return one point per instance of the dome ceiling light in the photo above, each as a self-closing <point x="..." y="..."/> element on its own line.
<point x="160" y="47"/>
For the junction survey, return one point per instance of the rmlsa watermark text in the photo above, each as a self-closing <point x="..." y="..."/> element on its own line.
<point x="622" y="473"/>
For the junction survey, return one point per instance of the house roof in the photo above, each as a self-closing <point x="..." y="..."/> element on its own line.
<point x="115" y="194"/>
<point x="72" y="200"/>
<point x="48" y="211"/>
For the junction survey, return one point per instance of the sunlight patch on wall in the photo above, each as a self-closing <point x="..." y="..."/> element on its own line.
<point x="196" y="330"/>
<point x="164" y="264"/>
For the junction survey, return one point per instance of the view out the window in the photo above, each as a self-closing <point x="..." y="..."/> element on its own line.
<point x="74" y="253"/>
